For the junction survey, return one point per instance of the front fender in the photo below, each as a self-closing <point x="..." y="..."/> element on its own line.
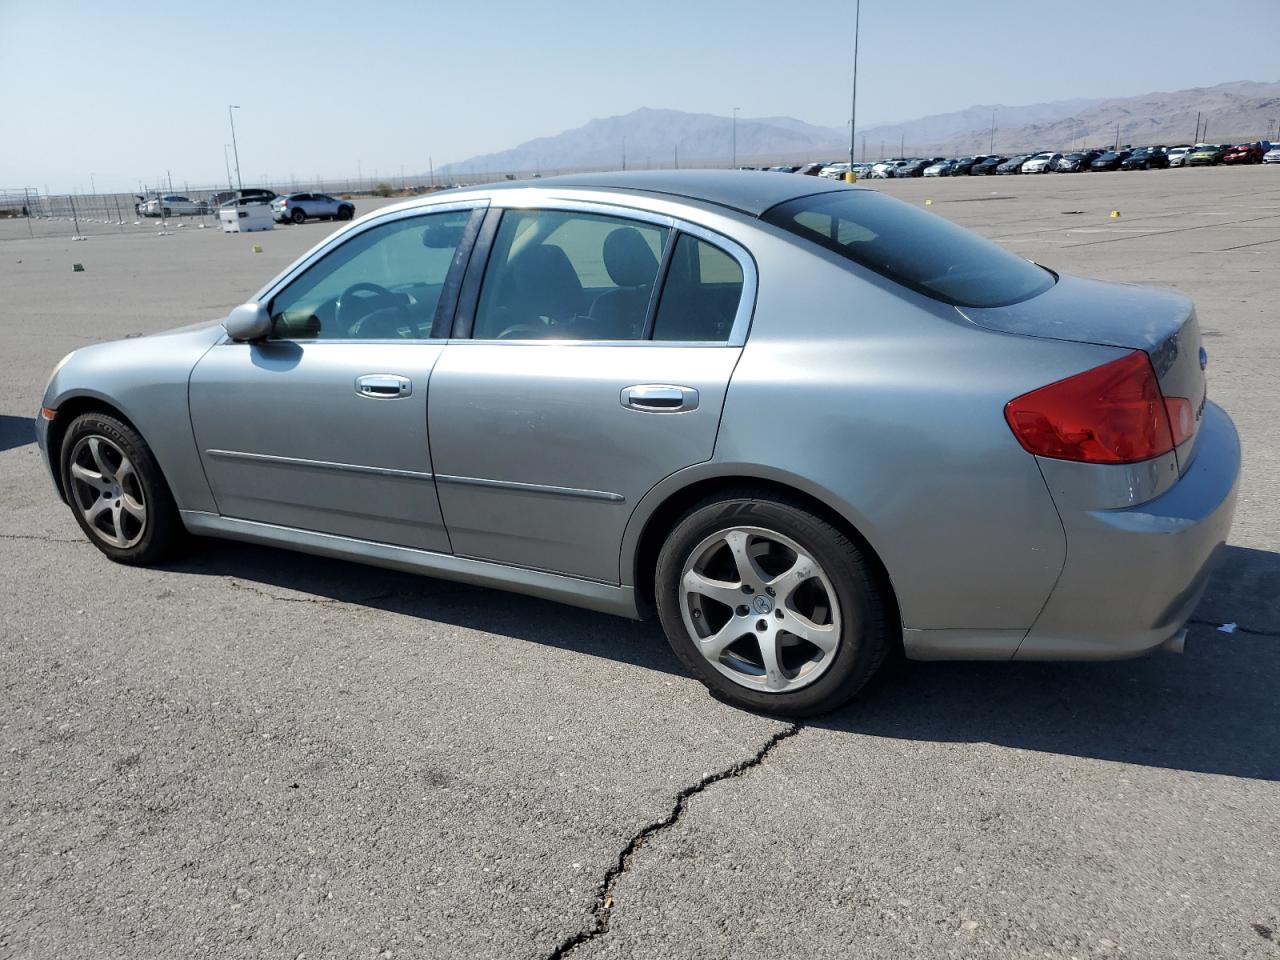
<point x="145" y="379"/>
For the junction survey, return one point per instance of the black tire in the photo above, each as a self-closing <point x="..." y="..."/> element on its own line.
<point x="298" y="216"/>
<point x="168" y="212"/>
<point x="865" y="639"/>
<point x="346" y="213"/>
<point x="162" y="532"/>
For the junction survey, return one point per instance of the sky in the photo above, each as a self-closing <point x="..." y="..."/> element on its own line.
<point x="115" y="94"/>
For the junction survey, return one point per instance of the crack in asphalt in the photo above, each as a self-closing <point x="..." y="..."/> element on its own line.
<point x="33" y="536"/>
<point x="324" y="601"/>
<point x="1252" y="631"/>
<point x="602" y="911"/>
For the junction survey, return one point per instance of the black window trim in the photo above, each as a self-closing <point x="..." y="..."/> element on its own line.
<point x="278" y="285"/>
<point x="469" y="298"/>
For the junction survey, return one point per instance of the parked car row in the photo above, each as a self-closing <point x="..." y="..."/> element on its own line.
<point x="1157" y="157"/>
<point x="290" y="208"/>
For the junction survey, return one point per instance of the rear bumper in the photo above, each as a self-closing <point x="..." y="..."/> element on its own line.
<point x="1133" y="576"/>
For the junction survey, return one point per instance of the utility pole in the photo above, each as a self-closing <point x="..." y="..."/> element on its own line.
<point x="902" y="146"/>
<point x="1197" y="137"/>
<point x="853" y="104"/>
<point x="1117" y="136"/>
<point x="227" y="163"/>
<point x="676" y="148"/>
<point x="991" y="147"/>
<point x="733" y="150"/>
<point x="234" y="146"/>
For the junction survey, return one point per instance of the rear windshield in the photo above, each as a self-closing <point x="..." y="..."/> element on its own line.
<point x="921" y="251"/>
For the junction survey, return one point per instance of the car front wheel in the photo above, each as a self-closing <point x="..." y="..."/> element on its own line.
<point x="770" y="606"/>
<point x="116" y="491"/>
<point x="298" y="215"/>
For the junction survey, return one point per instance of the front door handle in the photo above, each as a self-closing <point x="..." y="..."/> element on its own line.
<point x="660" y="398"/>
<point x="384" y="386"/>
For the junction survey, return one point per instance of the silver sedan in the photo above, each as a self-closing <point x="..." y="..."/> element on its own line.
<point x="804" y="424"/>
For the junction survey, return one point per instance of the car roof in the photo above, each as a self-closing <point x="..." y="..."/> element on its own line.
<point x="747" y="191"/>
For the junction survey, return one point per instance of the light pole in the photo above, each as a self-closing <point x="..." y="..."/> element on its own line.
<point x="733" y="151"/>
<point x="853" y="105"/>
<point x="991" y="147"/>
<point x="234" y="147"/>
<point x="227" y="163"/>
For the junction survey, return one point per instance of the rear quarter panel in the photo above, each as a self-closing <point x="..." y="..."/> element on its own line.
<point x="890" y="406"/>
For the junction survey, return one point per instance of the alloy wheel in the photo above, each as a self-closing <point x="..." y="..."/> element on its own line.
<point x="107" y="491"/>
<point x="760" y="609"/>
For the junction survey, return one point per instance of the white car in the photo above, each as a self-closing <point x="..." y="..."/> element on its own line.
<point x="1041" y="163"/>
<point x="1272" y="155"/>
<point x="834" y="171"/>
<point x="886" y="169"/>
<point x="940" y="169"/>
<point x="173" y="206"/>
<point x="1178" y="156"/>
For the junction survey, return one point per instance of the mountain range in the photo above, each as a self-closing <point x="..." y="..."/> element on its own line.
<point x="648" y="137"/>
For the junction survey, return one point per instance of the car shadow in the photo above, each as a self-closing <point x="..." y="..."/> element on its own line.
<point x="274" y="571"/>
<point x="1211" y="709"/>
<point x="16" y="432"/>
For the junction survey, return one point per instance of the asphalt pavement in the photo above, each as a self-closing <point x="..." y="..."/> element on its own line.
<point x="253" y="753"/>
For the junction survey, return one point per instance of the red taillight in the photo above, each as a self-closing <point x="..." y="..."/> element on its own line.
<point x="1114" y="413"/>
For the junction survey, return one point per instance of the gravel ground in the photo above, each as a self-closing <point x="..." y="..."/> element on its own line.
<point x="255" y="753"/>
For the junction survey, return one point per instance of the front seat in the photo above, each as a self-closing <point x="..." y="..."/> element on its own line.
<point x="546" y="287"/>
<point x="619" y="314"/>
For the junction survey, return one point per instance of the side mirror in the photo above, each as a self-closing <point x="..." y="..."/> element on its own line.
<point x="249" y="321"/>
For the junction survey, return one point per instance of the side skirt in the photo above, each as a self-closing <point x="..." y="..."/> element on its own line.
<point x="602" y="597"/>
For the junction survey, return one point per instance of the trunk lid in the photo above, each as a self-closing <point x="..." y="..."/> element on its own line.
<point x="1161" y="322"/>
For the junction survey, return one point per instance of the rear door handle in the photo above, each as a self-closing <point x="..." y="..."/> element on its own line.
<point x="384" y="386"/>
<point x="660" y="398"/>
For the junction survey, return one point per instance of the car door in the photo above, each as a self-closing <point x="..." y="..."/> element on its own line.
<point x="324" y="205"/>
<point x="590" y="361"/>
<point x="323" y="425"/>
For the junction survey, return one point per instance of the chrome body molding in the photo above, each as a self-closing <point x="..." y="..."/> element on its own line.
<point x="589" y="594"/>
<point x="548" y="489"/>
<point x="318" y="464"/>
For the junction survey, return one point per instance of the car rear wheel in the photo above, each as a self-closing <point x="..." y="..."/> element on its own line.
<point x="298" y="215"/>
<point x="116" y="491"/>
<point x="346" y="213"/>
<point x="771" y="606"/>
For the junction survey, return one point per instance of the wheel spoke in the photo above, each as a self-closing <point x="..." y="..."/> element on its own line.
<point x="773" y="678"/>
<point x="823" y="636"/>
<point x="95" y="451"/>
<point x="87" y="475"/>
<point x="714" y="645"/>
<point x="133" y="507"/>
<point x="730" y="594"/>
<point x="748" y="572"/>
<point x="785" y="583"/>
<point x="95" y="509"/>
<point x="117" y="524"/>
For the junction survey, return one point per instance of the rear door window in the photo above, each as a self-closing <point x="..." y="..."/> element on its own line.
<point x="701" y="294"/>
<point x="565" y="275"/>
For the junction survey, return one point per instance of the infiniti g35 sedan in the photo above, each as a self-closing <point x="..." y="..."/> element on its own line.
<point x="802" y="423"/>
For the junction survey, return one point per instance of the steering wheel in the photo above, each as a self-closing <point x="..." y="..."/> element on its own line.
<point x="523" y="331"/>
<point x="351" y="308"/>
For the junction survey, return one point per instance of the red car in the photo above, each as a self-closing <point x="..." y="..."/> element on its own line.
<point x="1244" y="153"/>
